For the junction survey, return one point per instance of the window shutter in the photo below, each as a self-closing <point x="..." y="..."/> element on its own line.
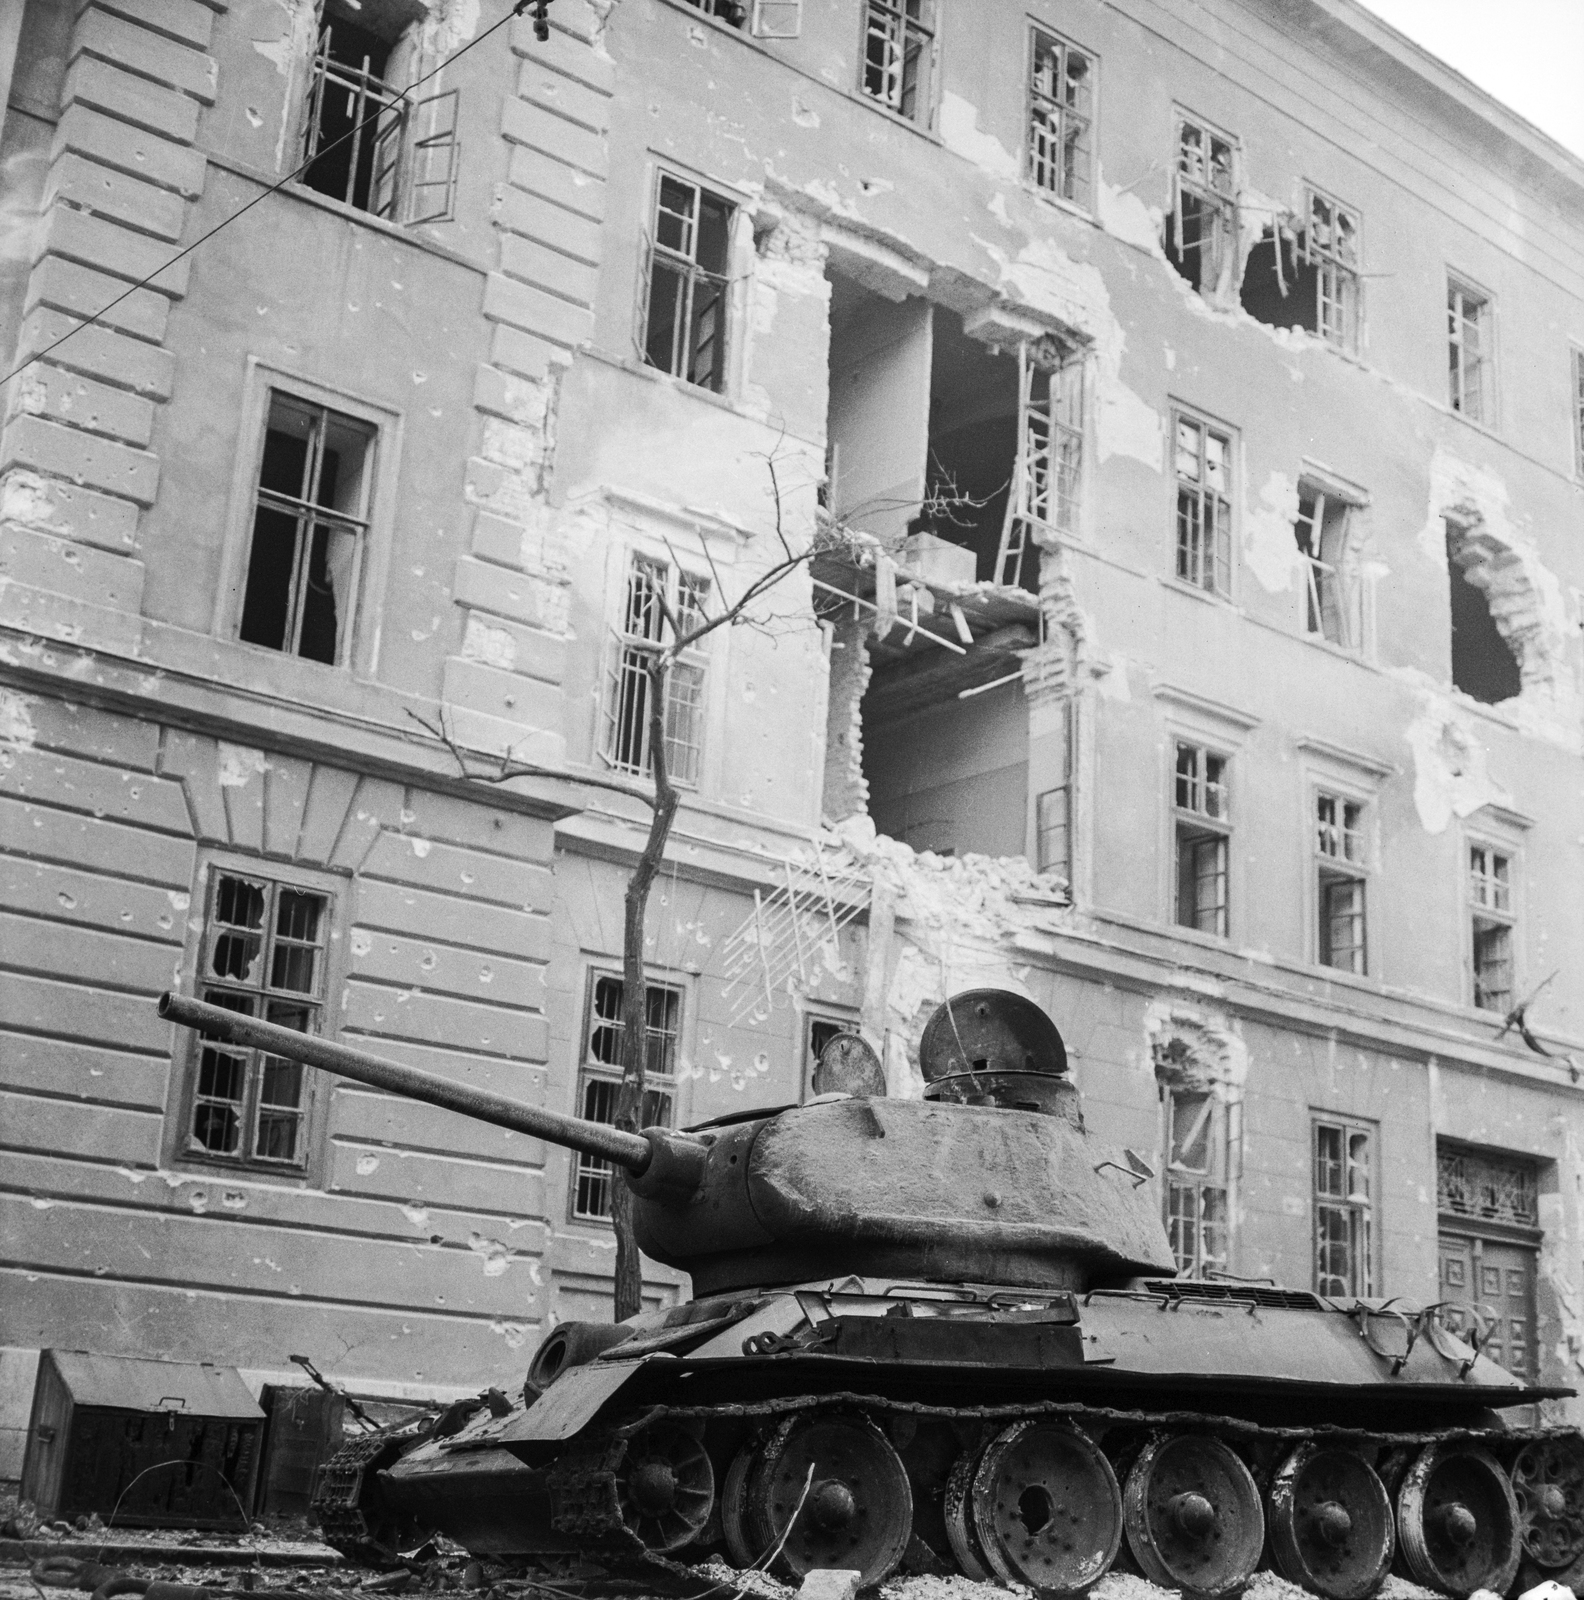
<point x="610" y="710"/>
<point x="641" y="309"/>
<point x="390" y="134"/>
<point x="436" y="151"/>
<point x="777" y="19"/>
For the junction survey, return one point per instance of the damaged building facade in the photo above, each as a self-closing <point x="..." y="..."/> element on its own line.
<point x="1189" y="409"/>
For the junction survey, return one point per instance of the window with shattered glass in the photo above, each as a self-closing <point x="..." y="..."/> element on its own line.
<point x="263" y="954"/>
<point x="1196" y="1179"/>
<point x="310" y="530"/>
<point x="1344" y="1207"/>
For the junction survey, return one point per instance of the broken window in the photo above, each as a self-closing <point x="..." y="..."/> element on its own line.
<point x="1196" y="1179"/>
<point x="1061" y="118"/>
<point x="600" y="1082"/>
<point x="1202" y="832"/>
<point x="1340" y="849"/>
<point x="1201" y="230"/>
<point x="365" y="142"/>
<point x="1490" y="884"/>
<point x="1468" y="350"/>
<point x="734" y="12"/>
<point x="263" y="955"/>
<point x="1343" y="1209"/>
<point x="310" y="524"/>
<point x="898" y="44"/>
<point x="685" y="318"/>
<point x="1304" y="272"/>
<point x="1203" y="458"/>
<point x="653" y="588"/>
<point x="1483" y="664"/>
<point x="1048" y="470"/>
<point x="1332" y="594"/>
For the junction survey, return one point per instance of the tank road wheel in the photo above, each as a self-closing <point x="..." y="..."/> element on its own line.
<point x="1193" y="1517"/>
<point x="1548" y="1484"/>
<point x="1330" y="1522"/>
<point x="837" y="1491"/>
<point x="961" y="1533"/>
<point x="665" y="1486"/>
<point x="1047" y="1508"/>
<point x="1457" y="1521"/>
<point x="745" y="1543"/>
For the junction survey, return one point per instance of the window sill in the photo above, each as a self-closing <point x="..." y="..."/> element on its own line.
<point x="1212" y="597"/>
<point x="1058" y="202"/>
<point x="1208" y="941"/>
<point x="1342" y="652"/>
<point x="694" y="391"/>
<point x="928" y="134"/>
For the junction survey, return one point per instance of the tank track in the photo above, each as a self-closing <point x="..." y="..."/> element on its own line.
<point x="595" y="1505"/>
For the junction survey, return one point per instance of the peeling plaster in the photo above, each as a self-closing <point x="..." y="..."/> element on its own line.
<point x="1124" y="216"/>
<point x="238" y="764"/>
<point x="960" y="133"/>
<point x="1451" y="771"/>
<point x="1270" y="549"/>
<point x="16" y="723"/>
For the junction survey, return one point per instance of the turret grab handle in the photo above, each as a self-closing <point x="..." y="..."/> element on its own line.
<point x="630" y="1150"/>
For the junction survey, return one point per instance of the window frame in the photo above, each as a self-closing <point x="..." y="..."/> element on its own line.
<point x="590" y="1070"/>
<point x="1038" y="34"/>
<point x="1329" y="869"/>
<point x="178" y="1145"/>
<point x="692" y="273"/>
<point x="1458" y="285"/>
<point x="1369" y="1209"/>
<point x="1349" y="591"/>
<point x="1218" y="556"/>
<point x="361" y="658"/>
<point x="924" y="121"/>
<point x="696" y="660"/>
<point x="1198" y="826"/>
<point x="1576" y="372"/>
<point x="1225" y="204"/>
<point x="1478" y="911"/>
<point x="1351" y="335"/>
<point x="1198" y="1181"/>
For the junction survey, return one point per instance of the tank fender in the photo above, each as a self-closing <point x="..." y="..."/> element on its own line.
<point x="571" y="1402"/>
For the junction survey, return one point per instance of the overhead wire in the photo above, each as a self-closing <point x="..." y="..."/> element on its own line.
<point x="89" y="321"/>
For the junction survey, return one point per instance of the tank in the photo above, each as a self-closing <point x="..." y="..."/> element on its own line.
<point x="947" y="1335"/>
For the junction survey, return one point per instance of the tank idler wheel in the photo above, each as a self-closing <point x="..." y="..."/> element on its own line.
<point x="1047" y="1508"/>
<point x="832" y="1492"/>
<point x="1548" y="1484"/>
<point x="1192" y="1514"/>
<point x="1330" y="1522"/>
<point x="961" y="1533"/>
<point x="745" y="1543"/>
<point x="665" y="1486"/>
<point x="1457" y="1521"/>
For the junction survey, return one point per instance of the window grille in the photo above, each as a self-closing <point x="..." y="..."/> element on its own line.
<point x="1202" y="834"/>
<point x="1487" y="1187"/>
<point x="898" y="41"/>
<point x="263" y="955"/>
<point x="1061" y="117"/>
<point x="1343" y="1208"/>
<point x="1468" y="352"/>
<point x="643" y="632"/>
<point x="310" y="524"/>
<point x="1196" y="1180"/>
<point x="685" y="318"/>
<point x="1203" y="458"/>
<point x="1202" y="236"/>
<point x="1333" y="599"/>
<point x="592" y="1176"/>
<point x="1331" y="245"/>
<point x="1492" y="927"/>
<point x="1340" y="887"/>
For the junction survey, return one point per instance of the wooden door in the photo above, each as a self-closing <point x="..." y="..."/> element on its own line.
<point x="1490" y="1283"/>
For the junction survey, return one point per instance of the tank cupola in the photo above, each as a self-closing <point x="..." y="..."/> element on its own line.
<point x="991" y="1047"/>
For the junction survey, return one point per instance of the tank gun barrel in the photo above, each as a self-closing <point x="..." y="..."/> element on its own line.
<point x="633" y="1151"/>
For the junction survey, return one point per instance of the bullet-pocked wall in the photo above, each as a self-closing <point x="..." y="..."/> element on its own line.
<point x="1222" y="794"/>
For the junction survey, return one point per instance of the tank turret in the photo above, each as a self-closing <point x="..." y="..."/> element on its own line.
<point x="868" y="1185"/>
<point x="948" y="1331"/>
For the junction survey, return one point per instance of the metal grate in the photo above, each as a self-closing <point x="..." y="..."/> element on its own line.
<point x="792" y="930"/>
<point x="1487" y="1187"/>
<point x="1234" y="1293"/>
